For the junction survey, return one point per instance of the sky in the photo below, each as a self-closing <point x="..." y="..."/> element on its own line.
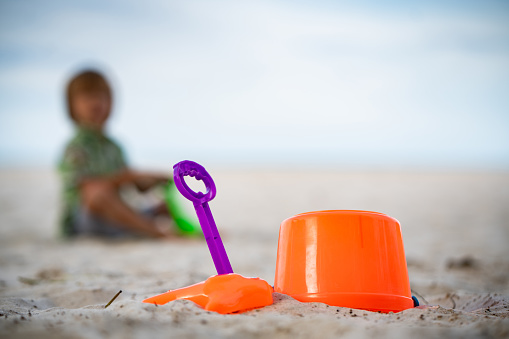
<point x="304" y="84"/>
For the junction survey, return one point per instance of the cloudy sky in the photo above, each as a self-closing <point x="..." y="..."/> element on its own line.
<point x="363" y="84"/>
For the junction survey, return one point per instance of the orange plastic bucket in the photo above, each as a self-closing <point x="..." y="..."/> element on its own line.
<point x="344" y="258"/>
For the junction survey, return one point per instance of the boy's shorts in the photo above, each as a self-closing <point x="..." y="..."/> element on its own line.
<point x="85" y="223"/>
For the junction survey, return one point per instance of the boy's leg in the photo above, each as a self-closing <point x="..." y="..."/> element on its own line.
<point x="102" y="199"/>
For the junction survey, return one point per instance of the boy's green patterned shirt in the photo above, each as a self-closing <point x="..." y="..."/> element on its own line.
<point x="89" y="154"/>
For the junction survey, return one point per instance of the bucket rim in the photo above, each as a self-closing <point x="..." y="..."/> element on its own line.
<point x="326" y="212"/>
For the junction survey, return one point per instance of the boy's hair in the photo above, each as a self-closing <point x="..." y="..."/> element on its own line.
<point x="86" y="81"/>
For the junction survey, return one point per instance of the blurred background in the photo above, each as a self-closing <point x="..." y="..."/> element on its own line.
<point x="265" y="84"/>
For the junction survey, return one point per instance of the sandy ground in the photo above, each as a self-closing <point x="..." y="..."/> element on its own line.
<point x="455" y="227"/>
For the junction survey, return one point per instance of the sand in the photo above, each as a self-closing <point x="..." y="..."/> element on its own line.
<point x="455" y="228"/>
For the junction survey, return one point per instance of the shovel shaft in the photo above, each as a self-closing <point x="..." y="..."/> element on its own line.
<point x="214" y="242"/>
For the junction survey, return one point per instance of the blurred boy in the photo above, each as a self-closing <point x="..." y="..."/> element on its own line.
<point x="93" y="169"/>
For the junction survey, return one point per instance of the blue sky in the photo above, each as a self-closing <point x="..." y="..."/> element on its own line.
<point x="366" y="84"/>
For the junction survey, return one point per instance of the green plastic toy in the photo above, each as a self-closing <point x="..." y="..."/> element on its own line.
<point x="186" y="224"/>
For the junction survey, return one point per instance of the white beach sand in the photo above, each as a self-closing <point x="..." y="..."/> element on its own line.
<point x="455" y="228"/>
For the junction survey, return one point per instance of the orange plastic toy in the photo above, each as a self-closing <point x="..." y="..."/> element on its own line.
<point x="227" y="293"/>
<point x="344" y="258"/>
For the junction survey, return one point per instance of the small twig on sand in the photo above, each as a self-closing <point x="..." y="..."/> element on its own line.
<point x="420" y="296"/>
<point x="113" y="299"/>
<point x="453" y="301"/>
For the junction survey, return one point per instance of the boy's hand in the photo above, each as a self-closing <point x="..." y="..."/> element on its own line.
<point x="163" y="234"/>
<point x="145" y="181"/>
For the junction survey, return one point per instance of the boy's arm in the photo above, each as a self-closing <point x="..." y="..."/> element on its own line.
<point x="142" y="180"/>
<point x="145" y="181"/>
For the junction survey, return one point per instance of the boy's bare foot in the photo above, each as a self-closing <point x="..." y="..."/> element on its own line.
<point x="164" y="228"/>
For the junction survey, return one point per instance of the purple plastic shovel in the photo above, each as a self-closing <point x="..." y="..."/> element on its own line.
<point x="200" y="201"/>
